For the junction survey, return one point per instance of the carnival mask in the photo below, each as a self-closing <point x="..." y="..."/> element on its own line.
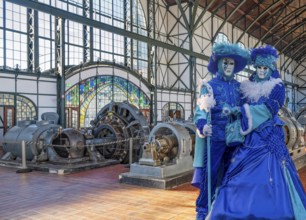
<point x="263" y="72"/>
<point x="228" y="65"/>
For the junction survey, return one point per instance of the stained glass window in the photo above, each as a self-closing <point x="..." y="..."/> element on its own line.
<point x="72" y="97"/>
<point x="87" y="107"/>
<point x="96" y="92"/>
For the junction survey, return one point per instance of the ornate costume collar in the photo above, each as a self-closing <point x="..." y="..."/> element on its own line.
<point x="254" y="90"/>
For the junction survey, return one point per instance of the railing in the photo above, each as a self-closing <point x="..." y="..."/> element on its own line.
<point x="23" y="168"/>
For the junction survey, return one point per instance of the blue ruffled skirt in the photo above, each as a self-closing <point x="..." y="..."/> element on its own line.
<point x="261" y="182"/>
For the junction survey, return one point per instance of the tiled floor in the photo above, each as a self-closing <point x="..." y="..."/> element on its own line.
<point x="93" y="194"/>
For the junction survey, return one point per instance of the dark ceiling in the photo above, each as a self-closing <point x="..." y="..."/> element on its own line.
<point x="281" y="23"/>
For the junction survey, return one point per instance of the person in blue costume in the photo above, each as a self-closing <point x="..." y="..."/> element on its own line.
<point x="261" y="181"/>
<point x="226" y="60"/>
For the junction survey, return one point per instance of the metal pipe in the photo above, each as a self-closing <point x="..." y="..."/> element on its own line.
<point x="23" y="155"/>
<point x="24" y="168"/>
<point x="131" y="152"/>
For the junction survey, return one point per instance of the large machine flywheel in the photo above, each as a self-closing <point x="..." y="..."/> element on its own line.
<point x="116" y="123"/>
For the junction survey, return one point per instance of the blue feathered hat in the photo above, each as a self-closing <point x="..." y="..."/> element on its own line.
<point x="226" y="50"/>
<point x="264" y="56"/>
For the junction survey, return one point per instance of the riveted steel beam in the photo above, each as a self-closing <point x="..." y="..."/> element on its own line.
<point x="227" y="18"/>
<point x="86" y="31"/>
<point x="60" y="67"/>
<point x="296" y="54"/>
<point x="179" y="5"/>
<point x="294" y="42"/>
<point x="285" y="20"/>
<point x="194" y="13"/>
<point x="202" y="14"/>
<point x="298" y="65"/>
<point x="152" y="60"/>
<point x="100" y="25"/>
<point x="256" y="20"/>
<point x="298" y="25"/>
<point x="275" y="15"/>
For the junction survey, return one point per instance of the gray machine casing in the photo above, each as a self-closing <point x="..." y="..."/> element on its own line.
<point x="166" y="160"/>
<point x="180" y="164"/>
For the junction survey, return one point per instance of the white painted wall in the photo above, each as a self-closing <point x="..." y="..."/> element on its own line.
<point x="41" y="91"/>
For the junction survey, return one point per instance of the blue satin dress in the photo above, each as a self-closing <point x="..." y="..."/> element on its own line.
<point x="261" y="181"/>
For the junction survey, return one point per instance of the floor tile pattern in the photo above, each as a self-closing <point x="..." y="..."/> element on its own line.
<point x="93" y="194"/>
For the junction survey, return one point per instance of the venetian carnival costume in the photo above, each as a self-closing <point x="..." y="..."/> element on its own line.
<point x="261" y="181"/>
<point x="223" y="88"/>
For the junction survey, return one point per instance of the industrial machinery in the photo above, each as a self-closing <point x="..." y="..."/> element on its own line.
<point x="164" y="152"/>
<point x="35" y="133"/>
<point x="301" y="118"/>
<point x="167" y="143"/>
<point x="294" y="132"/>
<point x="45" y="141"/>
<point x="117" y="122"/>
<point x="108" y="138"/>
<point x="166" y="159"/>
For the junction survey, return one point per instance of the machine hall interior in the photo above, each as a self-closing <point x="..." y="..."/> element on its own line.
<point x="89" y="83"/>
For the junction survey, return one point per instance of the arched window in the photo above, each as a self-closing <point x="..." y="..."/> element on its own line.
<point x="25" y="109"/>
<point x="15" y="108"/>
<point x="221" y="38"/>
<point x="85" y="99"/>
<point x="173" y="111"/>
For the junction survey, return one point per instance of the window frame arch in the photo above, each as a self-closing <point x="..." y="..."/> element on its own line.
<point x="113" y="81"/>
<point x="221" y="37"/>
<point x="167" y="109"/>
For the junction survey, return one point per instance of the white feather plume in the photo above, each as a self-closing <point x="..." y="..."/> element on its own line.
<point x="206" y="101"/>
<point x="255" y="90"/>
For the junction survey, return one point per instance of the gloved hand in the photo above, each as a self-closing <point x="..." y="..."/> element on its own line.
<point x="203" y="129"/>
<point x="207" y="130"/>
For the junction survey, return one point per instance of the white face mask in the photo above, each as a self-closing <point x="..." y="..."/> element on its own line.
<point x="228" y="65"/>
<point x="262" y="71"/>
